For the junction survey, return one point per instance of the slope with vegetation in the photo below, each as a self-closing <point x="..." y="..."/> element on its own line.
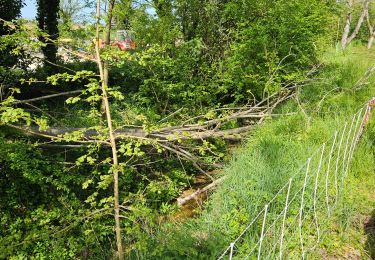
<point x="96" y="146"/>
<point x="274" y="152"/>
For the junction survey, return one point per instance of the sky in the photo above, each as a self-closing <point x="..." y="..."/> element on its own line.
<point x="29" y="10"/>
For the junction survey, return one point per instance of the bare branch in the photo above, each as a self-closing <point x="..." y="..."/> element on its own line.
<point x="68" y="93"/>
<point x="183" y="200"/>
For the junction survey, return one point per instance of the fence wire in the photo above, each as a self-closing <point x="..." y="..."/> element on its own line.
<point x="289" y="225"/>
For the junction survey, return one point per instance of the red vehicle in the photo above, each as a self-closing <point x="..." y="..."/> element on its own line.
<point x="124" y="41"/>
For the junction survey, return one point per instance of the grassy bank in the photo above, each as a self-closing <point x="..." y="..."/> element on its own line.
<point x="351" y="231"/>
<point x="273" y="153"/>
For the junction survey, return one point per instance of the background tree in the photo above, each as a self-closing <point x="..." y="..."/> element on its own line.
<point x="370" y="26"/>
<point x="208" y="21"/>
<point x="9" y="10"/>
<point x="47" y="18"/>
<point x="348" y="36"/>
<point x="71" y="10"/>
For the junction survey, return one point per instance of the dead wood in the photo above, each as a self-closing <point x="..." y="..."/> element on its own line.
<point x="199" y="131"/>
<point x="183" y="200"/>
<point x="68" y="93"/>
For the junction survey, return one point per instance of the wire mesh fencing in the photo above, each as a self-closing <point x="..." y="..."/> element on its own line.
<point x="290" y="224"/>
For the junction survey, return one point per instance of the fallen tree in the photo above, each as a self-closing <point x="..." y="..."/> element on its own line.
<point x="171" y="139"/>
<point x="213" y="128"/>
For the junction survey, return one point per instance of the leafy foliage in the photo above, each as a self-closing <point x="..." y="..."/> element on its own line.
<point x="192" y="59"/>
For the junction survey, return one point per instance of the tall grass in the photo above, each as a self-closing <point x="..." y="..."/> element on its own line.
<point x="274" y="152"/>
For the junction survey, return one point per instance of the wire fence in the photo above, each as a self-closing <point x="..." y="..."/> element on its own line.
<point x="289" y="225"/>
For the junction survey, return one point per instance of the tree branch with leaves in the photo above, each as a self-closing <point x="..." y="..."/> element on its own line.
<point x="103" y="70"/>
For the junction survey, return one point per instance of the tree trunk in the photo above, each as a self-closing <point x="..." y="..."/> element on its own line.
<point x="103" y="70"/>
<point x="371" y="31"/>
<point x="47" y="17"/>
<point x="346" y="39"/>
<point x="107" y="39"/>
<point x="348" y="22"/>
<point x="371" y="40"/>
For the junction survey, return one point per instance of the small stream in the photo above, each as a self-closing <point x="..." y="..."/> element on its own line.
<point x="193" y="207"/>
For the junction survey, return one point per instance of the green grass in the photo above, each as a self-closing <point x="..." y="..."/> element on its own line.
<point x="271" y="155"/>
<point x="347" y="234"/>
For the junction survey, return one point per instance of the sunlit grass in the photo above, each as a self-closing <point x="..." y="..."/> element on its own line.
<point x="273" y="153"/>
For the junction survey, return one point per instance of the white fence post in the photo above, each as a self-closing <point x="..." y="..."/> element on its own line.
<point x="302" y="205"/>
<point x="284" y="218"/>
<point x="316" y="190"/>
<point x="328" y="171"/>
<point x="354" y="138"/>
<point x="262" y="234"/>
<point x="231" y="251"/>
<point x="338" y="159"/>
<point x="346" y="150"/>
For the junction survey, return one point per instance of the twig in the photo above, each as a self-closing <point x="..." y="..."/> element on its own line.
<point x="170" y="115"/>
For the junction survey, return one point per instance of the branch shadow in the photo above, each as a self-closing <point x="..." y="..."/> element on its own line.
<point x="370" y="232"/>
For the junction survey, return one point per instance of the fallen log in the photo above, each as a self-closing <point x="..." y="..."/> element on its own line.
<point x="199" y="131"/>
<point x="90" y="134"/>
<point x="183" y="200"/>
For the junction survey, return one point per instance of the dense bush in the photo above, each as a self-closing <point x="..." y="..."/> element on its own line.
<point x="235" y="52"/>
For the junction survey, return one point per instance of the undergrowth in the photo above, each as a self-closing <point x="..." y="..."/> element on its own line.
<point x="272" y="154"/>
